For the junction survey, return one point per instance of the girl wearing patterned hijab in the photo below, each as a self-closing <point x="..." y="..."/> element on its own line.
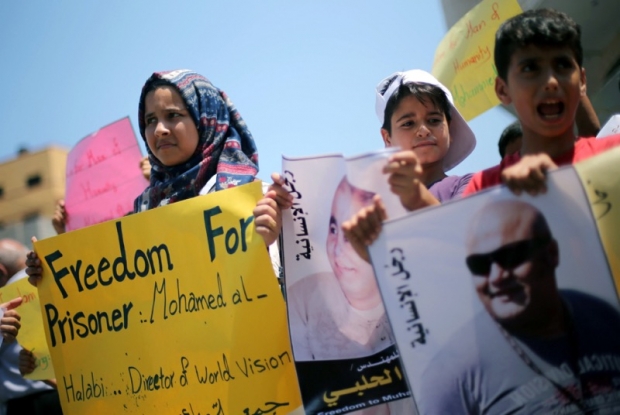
<point x="197" y="141"/>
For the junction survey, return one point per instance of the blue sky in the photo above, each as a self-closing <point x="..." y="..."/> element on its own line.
<point x="301" y="73"/>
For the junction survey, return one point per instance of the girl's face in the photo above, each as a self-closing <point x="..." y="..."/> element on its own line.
<point x="421" y="127"/>
<point x="170" y="131"/>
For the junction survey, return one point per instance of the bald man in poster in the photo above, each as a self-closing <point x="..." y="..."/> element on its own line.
<point x="534" y="349"/>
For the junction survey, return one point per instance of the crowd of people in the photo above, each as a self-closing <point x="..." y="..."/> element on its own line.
<point x="198" y="143"/>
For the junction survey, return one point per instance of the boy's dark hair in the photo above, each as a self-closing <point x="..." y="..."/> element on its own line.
<point x="423" y="92"/>
<point x="510" y="134"/>
<point x="539" y="27"/>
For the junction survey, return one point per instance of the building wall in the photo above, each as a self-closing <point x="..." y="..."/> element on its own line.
<point x="30" y="186"/>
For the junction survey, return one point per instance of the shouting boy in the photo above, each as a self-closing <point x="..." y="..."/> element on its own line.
<point x="539" y="60"/>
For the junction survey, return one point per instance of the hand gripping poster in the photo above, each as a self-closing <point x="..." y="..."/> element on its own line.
<point x="343" y="346"/>
<point x="171" y="311"/>
<point x="506" y="304"/>
<point x="31" y="333"/>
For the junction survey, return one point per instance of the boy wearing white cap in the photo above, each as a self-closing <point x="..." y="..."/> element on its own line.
<point x="417" y="114"/>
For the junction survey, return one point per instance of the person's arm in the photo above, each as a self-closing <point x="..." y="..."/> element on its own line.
<point x="586" y="119"/>
<point x="462" y="184"/>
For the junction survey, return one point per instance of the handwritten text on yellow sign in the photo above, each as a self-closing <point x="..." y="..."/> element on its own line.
<point x="464" y="58"/>
<point x="175" y="310"/>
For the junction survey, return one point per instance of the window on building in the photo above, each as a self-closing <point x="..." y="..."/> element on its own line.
<point x="1" y="191"/>
<point x="31" y="216"/>
<point x="33" y="180"/>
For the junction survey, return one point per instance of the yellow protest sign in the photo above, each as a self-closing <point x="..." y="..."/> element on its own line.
<point x="600" y="176"/>
<point x="175" y="310"/>
<point x="464" y="58"/>
<point x="31" y="334"/>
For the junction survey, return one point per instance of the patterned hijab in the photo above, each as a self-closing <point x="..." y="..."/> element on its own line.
<point x="225" y="145"/>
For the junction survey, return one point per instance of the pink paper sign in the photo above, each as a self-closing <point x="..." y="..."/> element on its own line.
<point x="103" y="176"/>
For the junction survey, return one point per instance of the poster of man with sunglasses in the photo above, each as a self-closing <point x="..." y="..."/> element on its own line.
<point x="518" y="305"/>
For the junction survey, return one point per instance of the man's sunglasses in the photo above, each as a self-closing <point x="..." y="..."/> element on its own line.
<point x="508" y="256"/>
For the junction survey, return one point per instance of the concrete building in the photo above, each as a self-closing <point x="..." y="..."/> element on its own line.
<point x="30" y="185"/>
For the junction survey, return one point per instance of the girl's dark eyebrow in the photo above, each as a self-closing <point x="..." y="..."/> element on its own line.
<point x="171" y="108"/>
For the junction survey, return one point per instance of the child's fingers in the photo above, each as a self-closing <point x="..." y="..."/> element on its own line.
<point x="266" y="215"/>
<point x="277" y="178"/>
<point x="355" y="237"/>
<point x="35" y="278"/>
<point x="365" y="225"/>
<point x="268" y="220"/>
<point x="407" y="156"/>
<point x="380" y="207"/>
<point x="281" y="195"/>
<point x="33" y="268"/>
<point x="412" y="170"/>
<point x="14" y="303"/>
<point x="368" y="226"/>
<point x="532" y="180"/>
<point x="529" y="174"/>
<point x="10" y="322"/>
<point x="536" y="182"/>
<point x="27" y="362"/>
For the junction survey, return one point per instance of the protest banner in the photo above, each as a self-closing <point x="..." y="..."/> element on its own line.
<point x="31" y="334"/>
<point x="464" y="58"/>
<point x="174" y="310"/>
<point x="343" y="346"/>
<point x="103" y="176"/>
<point x="497" y="283"/>
<point x="600" y="177"/>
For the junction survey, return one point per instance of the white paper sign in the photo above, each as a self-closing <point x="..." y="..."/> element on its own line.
<point x="611" y="127"/>
<point x="336" y="315"/>
<point x="503" y="304"/>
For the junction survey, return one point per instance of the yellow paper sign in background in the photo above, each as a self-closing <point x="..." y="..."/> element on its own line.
<point x="600" y="176"/>
<point x="31" y="334"/>
<point x="464" y="58"/>
<point x="172" y="311"/>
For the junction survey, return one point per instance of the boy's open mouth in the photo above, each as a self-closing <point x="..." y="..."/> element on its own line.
<point x="550" y="110"/>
